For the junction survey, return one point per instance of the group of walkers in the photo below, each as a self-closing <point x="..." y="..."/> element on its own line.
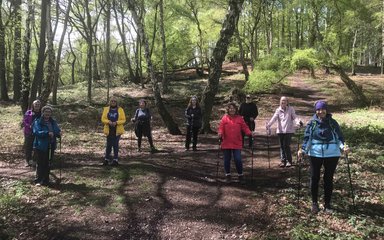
<point x="322" y="141"/>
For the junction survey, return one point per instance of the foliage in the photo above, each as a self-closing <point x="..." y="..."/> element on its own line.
<point x="261" y="81"/>
<point x="304" y="59"/>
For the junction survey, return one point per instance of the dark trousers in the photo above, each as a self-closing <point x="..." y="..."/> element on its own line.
<point x="329" y="170"/>
<point x="285" y="147"/>
<point x="42" y="166"/>
<point x="192" y="132"/>
<point x="112" y="143"/>
<point x="227" y="160"/>
<point x="139" y="133"/>
<point x="28" y="147"/>
<point x="251" y="125"/>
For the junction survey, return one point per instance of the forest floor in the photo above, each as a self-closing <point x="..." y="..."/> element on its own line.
<point x="177" y="194"/>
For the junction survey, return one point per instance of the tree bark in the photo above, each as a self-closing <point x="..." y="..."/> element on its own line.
<point x="216" y="62"/>
<point x="165" y="88"/>
<point x="26" y="83"/>
<point x="17" y="53"/>
<point x="167" y="118"/>
<point x="3" y="78"/>
<point x="108" y="46"/>
<point x="39" y="70"/>
<point x="51" y="60"/>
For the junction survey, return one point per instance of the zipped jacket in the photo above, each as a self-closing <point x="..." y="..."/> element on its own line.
<point x="28" y="119"/>
<point x="196" y="119"/>
<point x="120" y="121"/>
<point x="230" y="129"/>
<point x="323" y="138"/>
<point x="41" y="133"/>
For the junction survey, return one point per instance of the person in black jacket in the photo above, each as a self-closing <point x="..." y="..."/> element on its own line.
<point x="142" y="120"/>
<point x="193" y="115"/>
<point x="249" y="112"/>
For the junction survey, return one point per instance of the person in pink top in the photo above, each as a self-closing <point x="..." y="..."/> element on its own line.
<point x="230" y="131"/>
<point x="286" y="123"/>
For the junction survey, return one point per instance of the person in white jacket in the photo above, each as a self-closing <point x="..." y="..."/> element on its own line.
<point x="286" y="122"/>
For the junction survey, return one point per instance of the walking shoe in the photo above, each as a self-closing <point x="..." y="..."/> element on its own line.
<point x="288" y="164"/>
<point x="139" y="149"/>
<point x="282" y="164"/>
<point x="194" y="149"/>
<point x="228" y="178"/>
<point x="105" y="162"/>
<point x="154" y="150"/>
<point x="315" y="208"/>
<point x="241" y="179"/>
<point x="328" y="209"/>
<point x="115" y="162"/>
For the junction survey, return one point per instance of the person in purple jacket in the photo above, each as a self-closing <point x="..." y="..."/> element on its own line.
<point x="286" y="121"/>
<point x="29" y="117"/>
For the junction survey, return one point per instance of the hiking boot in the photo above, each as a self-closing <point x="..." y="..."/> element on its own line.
<point x="115" y="162"/>
<point x="228" y="178"/>
<point x="194" y="149"/>
<point x="288" y="164"/>
<point x="315" y="208"/>
<point x="241" y="179"/>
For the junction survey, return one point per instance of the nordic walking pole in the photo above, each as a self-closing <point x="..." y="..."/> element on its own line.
<point x="252" y="157"/>
<point x="350" y="179"/>
<point x="299" y="159"/>
<point x="218" y="160"/>
<point x="60" y="166"/>
<point x="268" y="134"/>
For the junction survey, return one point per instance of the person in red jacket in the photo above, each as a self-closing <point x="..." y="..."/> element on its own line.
<point x="231" y="127"/>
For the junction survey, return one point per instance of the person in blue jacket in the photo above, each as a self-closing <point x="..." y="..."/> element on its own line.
<point x="45" y="130"/>
<point x="323" y="142"/>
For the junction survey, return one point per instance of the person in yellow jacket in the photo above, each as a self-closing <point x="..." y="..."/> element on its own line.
<point x="113" y="119"/>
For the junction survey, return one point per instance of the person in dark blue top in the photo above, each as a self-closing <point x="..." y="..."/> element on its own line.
<point x="142" y="120"/>
<point x="194" y="122"/>
<point x="323" y="142"/>
<point x="45" y="130"/>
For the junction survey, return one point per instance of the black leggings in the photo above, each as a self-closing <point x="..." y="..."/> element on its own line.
<point x="191" y="133"/>
<point x="330" y="164"/>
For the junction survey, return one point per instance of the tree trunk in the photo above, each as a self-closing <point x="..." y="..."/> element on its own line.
<point x="357" y="91"/>
<point x="353" y="54"/>
<point x="382" y="40"/>
<point x="26" y="83"/>
<point x="167" y="118"/>
<point x="3" y="78"/>
<point x="39" y="70"/>
<point x="108" y="47"/>
<point x="51" y="60"/>
<point x="89" y="52"/>
<point x="242" y="59"/>
<point x="216" y="62"/>
<point x="73" y="62"/>
<point x="17" y="53"/>
<point x="58" y="56"/>
<point x="165" y="88"/>
<point x="121" y="29"/>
